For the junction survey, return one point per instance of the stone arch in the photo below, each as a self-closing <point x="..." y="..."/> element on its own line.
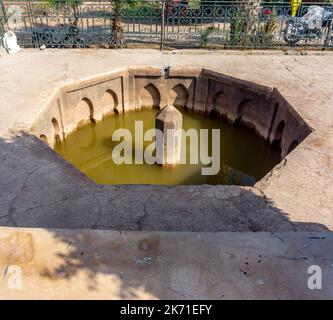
<point x="247" y="113"/>
<point x="149" y="97"/>
<point x="56" y="129"/>
<point x="220" y="104"/>
<point x="236" y="122"/>
<point x="178" y="96"/>
<point x="84" y="112"/>
<point x="279" y="133"/>
<point x="109" y="102"/>
<point x="43" y="138"/>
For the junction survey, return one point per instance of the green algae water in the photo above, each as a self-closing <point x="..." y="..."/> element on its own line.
<point x="244" y="157"/>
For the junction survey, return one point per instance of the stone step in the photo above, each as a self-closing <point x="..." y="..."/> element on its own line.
<point x="95" y="264"/>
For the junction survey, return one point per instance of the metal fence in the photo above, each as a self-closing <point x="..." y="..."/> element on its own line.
<point x="164" y="23"/>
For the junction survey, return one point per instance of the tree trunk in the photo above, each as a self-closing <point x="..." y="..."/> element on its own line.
<point x="117" y="27"/>
<point x="76" y="14"/>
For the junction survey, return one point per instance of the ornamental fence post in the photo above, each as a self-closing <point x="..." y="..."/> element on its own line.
<point x="163" y="25"/>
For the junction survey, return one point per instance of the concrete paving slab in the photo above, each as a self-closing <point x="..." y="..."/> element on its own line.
<point x="91" y="264"/>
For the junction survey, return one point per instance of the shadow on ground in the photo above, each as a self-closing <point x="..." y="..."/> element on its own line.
<point x="39" y="190"/>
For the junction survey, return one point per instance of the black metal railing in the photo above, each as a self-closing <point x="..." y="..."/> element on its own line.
<point x="164" y="23"/>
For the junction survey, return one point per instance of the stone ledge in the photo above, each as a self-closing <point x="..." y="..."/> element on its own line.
<point x="91" y="264"/>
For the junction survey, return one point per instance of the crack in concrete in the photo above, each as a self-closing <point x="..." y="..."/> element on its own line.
<point x="100" y="209"/>
<point x="266" y="180"/>
<point x="276" y="236"/>
<point x="7" y="155"/>
<point x="268" y="205"/>
<point x="24" y="185"/>
<point x="140" y="221"/>
<point x="41" y="206"/>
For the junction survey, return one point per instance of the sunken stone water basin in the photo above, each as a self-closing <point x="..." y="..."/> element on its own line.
<point x="258" y="126"/>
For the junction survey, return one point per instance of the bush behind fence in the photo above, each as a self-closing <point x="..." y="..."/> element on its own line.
<point x="165" y="23"/>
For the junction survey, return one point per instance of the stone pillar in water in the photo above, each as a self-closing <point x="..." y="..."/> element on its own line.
<point x="168" y="141"/>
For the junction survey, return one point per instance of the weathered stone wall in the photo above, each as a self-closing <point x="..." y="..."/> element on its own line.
<point x="261" y="108"/>
<point x="287" y="125"/>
